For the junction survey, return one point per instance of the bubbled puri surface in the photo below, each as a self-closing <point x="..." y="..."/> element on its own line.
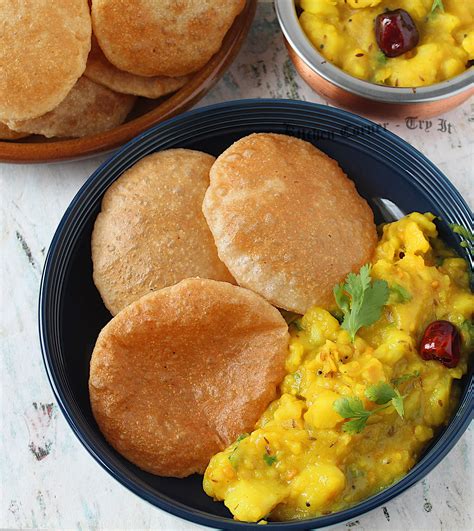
<point x="100" y="70"/>
<point x="287" y="221"/>
<point x="165" y="38"/>
<point x="180" y="373"/>
<point x="151" y="232"/>
<point x="43" y="52"/>
<point x="88" y="109"/>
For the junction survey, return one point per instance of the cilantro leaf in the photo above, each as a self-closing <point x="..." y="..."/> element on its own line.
<point x="437" y="4"/>
<point x="297" y="377"/>
<point x="381" y="58"/>
<point x="360" y="299"/>
<point x="399" y="293"/>
<point x="467" y="329"/>
<point x="380" y="393"/>
<point x="342" y="300"/>
<point x="397" y="403"/>
<point x="349" y="406"/>
<point x="233" y="458"/>
<point x="383" y="393"/>
<point x="355" y="425"/>
<point x="375" y="298"/>
<point x="405" y="377"/>
<point x="467" y="237"/>
<point x="462" y="231"/>
<point x="298" y="324"/>
<point x="352" y="408"/>
<point x="269" y="459"/>
<point x="234" y="454"/>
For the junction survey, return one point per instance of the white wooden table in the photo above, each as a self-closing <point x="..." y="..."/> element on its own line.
<point x="48" y="480"/>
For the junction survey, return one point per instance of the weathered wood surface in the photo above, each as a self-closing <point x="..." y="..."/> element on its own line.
<point x="48" y="480"/>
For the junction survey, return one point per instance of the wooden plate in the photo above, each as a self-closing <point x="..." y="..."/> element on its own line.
<point x="146" y="112"/>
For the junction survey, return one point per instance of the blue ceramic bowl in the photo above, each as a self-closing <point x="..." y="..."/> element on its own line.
<point x="388" y="172"/>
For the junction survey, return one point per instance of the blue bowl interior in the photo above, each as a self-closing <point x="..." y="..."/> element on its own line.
<point x="388" y="172"/>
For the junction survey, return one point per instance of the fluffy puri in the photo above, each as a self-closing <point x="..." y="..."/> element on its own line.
<point x="165" y="38"/>
<point x="7" y="134"/>
<point x="100" y="70"/>
<point x="286" y="220"/>
<point x="88" y="109"/>
<point x="151" y="232"/>
<point x="43" y="52"/>
<point x="176" y="376"/>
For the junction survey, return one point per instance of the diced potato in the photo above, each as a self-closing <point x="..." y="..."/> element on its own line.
<point x="415" y="239"/>
<point x="321" y="325"/>
<point x="321" y="414"/>
<point x="437" y="399"/>
<point x="445" y="22"/>
<point x="252" y="500"/>
<point x="295" y="356"/>
<point x="396" y="344"/>
<point x="290" y="408"/>
<point x="463" y="304"/>
<point x="372" y="371"/>
<point x="357" y="64"/>
<point x="468" y="44"/>
<point x="423" y="433"/>
<point x="219" y="475"/>
<point x="317" y="485"/>
<point x="452" y="67"/>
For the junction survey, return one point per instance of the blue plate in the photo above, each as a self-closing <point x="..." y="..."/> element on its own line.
<point x="388" y="172"/>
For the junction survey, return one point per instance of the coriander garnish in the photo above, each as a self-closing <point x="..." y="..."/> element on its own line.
<point x="405" y="377"/>
<point x="352" y="407"/>
<point x="233" y="455"/>
<point x="382" y="393"/>
<point x="437" y="4"/>
<point x="361" y="300"/>
<point x="298" y="325"/>
<point x="467" y="328"/>
<point x="381" y="58"/>
<point x="269" y="459"/>
<point x="399" y="293"/>
<point x="467" y="236"/>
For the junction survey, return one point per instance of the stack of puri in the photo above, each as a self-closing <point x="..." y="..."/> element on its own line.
<point x="76" y="68"/>
<point x="194" y="257"/>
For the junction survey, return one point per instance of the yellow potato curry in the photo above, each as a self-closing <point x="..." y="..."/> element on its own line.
<point x="355" y="410"/>
<point x="344" y="32"/>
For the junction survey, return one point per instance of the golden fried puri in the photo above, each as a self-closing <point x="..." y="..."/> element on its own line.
<point x="165" y="38"/>
<point x="286" y="220"/>
<point x="100" y="70"/>
<point x="151" y="232"/>
<point x="88" y="109"/>
<point x="7" y="134"/>
<point x="43" y="52"/>
<point x="176" y="376"/>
